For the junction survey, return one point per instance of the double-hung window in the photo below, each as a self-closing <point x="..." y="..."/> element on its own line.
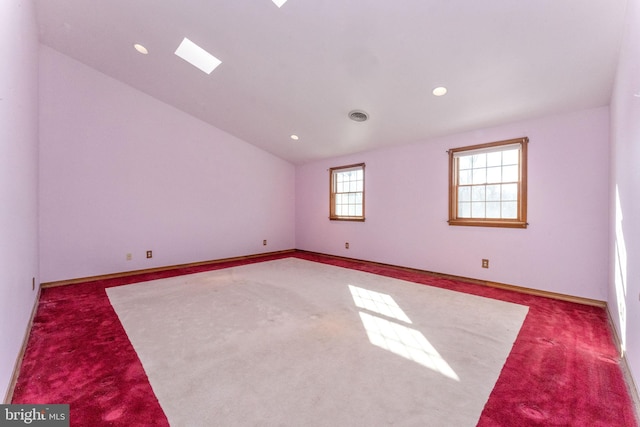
<point x="347" y="193"/>
<point x="488" y="184"/>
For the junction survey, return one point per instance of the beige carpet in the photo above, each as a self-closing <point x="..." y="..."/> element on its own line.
<point x="296" y="343"/>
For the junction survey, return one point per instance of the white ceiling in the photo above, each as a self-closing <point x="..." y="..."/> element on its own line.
<point x="301" y="68"/>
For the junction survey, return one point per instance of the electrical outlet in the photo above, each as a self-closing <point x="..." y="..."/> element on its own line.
<point x="149" y="254"/>
<point x="346" y="245"/>
<point x="264" y="242"/>
<point x="129" y="257"/>
<point x="485" y="263"/>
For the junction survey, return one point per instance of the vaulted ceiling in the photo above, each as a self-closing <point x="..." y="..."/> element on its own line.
<point x="302" y="67"/>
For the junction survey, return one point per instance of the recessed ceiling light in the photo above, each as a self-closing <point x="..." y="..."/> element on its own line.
<point x="295" y="137"/>
<point x="197" y="56"/>
<point x="439" y="91"/>
<point x="143" y="50"/>
<point x="279" y="3"/>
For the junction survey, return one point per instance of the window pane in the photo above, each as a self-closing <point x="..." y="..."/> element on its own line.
<point x="464" y="194"/>
<point x="352" y="199"/>
<point x="477" y="209"/>
<point x="339" y="187"/>
<point x="479" y="161"/>
<point x="465" y="177"/>
<point x="494" y="159"/>
<point x="494" y="174"/>
<point x="464" y="210"/>
<point x="493" y="193"/>
<point x="478" y="193"/>
<point x="479" y="176"/>
<point x="359" y="198"/>
<point x="509" y="210"/>
<point x="360" y="185"/>
<point x="509" y="192"/>
<point x="510" y="173"/>
<point x="352" y="210"/>
<point x="493" y="209"/>
<point x="464" y="162"/>
<point x="510" y="157"/>
<point x="359" y="210"/>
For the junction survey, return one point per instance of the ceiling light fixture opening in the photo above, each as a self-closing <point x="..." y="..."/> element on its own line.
<point x="295" y="137"/>
<point x="197" y="56"/>
<point x="143" y="50"/>
<point x="358" y="116"/>
<point x="440" y="91"/>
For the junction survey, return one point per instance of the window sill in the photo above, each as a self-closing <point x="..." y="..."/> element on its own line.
<point x="338" y="218"/>
<point x="489" y="223"/>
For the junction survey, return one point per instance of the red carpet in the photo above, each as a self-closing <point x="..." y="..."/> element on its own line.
<point x="563" y="370"/>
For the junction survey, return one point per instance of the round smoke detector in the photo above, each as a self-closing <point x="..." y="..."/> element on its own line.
<point x="358" y="116"/>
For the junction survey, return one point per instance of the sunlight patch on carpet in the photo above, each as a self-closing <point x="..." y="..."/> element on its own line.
<point x="405" y="342"/>
<point x="395" y="337"/>
<point x="294" y="342"/>
<point x="377" y="302"/>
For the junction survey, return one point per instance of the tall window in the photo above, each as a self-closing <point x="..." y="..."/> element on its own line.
<point x="488" y="184"/>
<point x="347" y="193"/>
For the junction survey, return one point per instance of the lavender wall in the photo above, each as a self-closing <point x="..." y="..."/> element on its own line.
<point x="121" y="172"/>
<point x="18" y="177"/>
<point x="564" y="249"/>
<point x="624" y="274"/>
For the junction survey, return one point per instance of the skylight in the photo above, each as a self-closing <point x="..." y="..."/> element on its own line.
<point x="197" y="56"/>
<point x="279" y="3"/>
